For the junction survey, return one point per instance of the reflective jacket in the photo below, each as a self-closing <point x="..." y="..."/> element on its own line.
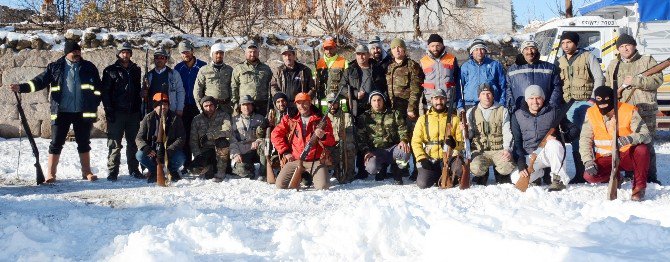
<point x="521" y="75"/>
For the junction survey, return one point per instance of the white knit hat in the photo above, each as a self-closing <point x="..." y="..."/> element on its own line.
<point x="215" y="48"/>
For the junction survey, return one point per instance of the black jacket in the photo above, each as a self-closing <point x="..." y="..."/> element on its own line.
<point x="52" y="77"/>
<point x="353" y="77"/>
<point x="121" y="89"/>
<point x="528" y="130"/>
<point x="174" y="132"/>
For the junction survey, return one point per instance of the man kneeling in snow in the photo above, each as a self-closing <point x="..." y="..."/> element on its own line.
<point x="597" y="136"/>
<point x="291" y="136"/>
<point x="530" y="124"/>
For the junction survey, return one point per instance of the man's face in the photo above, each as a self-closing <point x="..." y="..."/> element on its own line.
<point x="529" y="54"/>
<point x="535" y="103"/>
<point x="125" y="56"/>
<point x="334" y="107"/>
<point x="377" y="103"/>
<point x="486" y="99"/>
<point x="568" y="46"/>
<point x="329" y="51"/>
<point x="627" y="50"/>
<point x="74" y="56"/>
<point x="281" y="104"/>
<point x="289" y="58"/>
<point x="160" y="61"/>
<point x="209" y="107"/>
<point x="479" y="54"/>
<point x="304" y="107"/>
<point x="435" y="48"/>
<point x="162" y="109"/>
<point x="362" y="59"/>
<point x="251" y="54"/>
<point x="247" y="108"/>
<point x="439" y="103"/>
<point x="376" y="52"/>
<point x="218" y="57"/>
<point x="398" y="52"/>
<point x="187" y="56"/>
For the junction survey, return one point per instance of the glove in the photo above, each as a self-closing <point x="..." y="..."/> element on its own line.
<point x="451" y="142"/>
<point x="203" y="139"/>
<point x="521" y="163"/>
<point x="110" y="117"/>
<point x="590" y="168"/>
<point x="625" y="140"/>
<point x="425" y="163"/>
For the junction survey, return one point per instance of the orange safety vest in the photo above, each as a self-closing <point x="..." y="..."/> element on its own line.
<point x="339" y="63"/>
<point x="602" y="138"/>
<point x="439" y="74"/>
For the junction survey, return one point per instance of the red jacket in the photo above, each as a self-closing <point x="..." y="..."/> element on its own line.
<point x="299" y="140"/>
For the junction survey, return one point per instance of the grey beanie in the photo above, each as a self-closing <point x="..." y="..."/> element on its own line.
<point x="532" y="91"/>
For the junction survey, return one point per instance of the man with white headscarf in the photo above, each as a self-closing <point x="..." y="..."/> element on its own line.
<point x="214" y="79"/>
<point x="382" y="57"/>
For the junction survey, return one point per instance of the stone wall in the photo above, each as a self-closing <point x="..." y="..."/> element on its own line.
<point x="19" y="67"/>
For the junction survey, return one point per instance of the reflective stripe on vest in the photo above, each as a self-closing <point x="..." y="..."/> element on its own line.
<point x="87" y="87"/>
<point x="54" y="116"/>
<point x="531" y="70"/>
<point x="55" y="89"/>
<point x="97" y="93"/>
<point x="32" y="86"/>
<point x="602" y="138"/>
<point x="438" y="74"/>
<point x="89" y="115"/>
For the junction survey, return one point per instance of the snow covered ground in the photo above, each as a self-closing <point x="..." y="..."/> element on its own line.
<point x="247" y="220"/>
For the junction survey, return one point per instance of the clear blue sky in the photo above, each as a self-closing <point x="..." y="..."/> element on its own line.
<point x="528" y="10"/>
<point x="11" y="3"/>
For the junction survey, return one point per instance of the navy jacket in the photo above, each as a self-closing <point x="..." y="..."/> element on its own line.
<point x="521" y="75"/>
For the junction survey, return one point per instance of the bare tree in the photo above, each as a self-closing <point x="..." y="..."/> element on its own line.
<point x="568" y="8"/>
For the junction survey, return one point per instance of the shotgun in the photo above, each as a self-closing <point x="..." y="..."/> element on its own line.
<point x="161" y="155"/>
<point x="651" y="71"/>
<point x="269" y="172"/>
<point x="39" y="175"/>
<point x="467" y="157"/>
<point x="446" y="180"/>
<point x="613" y="183"/>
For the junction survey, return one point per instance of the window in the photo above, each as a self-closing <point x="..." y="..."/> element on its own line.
<point x="545" y="40"/>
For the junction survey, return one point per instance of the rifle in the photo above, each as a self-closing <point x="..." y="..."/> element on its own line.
<point x="317" y="73"/>
<point x="269" y="172"/>
<point x="145" y="82"/>
<point x="296" y="178"/>
<point x="161" y="155"/>
<point x="446" y="180"/>
<point x="613" y="184"/>
<point x="523" y="182"/>
<point x="465" y="175"/>
<point x="651" y="71"/>
<point x="39" y="175"/>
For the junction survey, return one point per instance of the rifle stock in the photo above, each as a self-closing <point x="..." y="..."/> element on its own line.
<point x="465" y="175"/>
<point x="446" y="181"/>
<point x="161" y="155"/>
<point x="39" y="174"/>
<point x="269" y="172"/>
<point x="658" y="68"/>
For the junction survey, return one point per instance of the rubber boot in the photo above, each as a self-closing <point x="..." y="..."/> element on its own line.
<point x="52" y="167"/>
<point x="85" y="161"/>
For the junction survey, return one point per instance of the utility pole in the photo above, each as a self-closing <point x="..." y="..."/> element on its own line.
<point x="568" y="8"/>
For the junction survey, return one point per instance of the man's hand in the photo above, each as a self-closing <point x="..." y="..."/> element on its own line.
<point x="625" y="140"/>
<point x="255" y="144"/>
<point x="14" y="88"/>
<point x="590" y="168"/>
<point x="152" y="154"/>
<point x="404" y="146"/>
<point x="144" y="93"/>
<point x="319" y="133"/>
<point x="506" y="155"/>
<point x="450" y="141"/>
<point x="411" y="115"/>
<point x="628" y="80"/>
<point x="289" y="157"/>
<point x="361" y="94"/>
<point x="237" y="158"/>
<point x="524" y="173"/>
<point x="367" y="156"/>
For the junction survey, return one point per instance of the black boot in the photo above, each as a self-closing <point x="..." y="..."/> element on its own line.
<point x="151" y="177"/>
<point x="113" y="176"/>
<point x="136" y="174"/>
<point x="480" y="180"/>
<point x="174" y="176"/>
<point x="397" y="174"/>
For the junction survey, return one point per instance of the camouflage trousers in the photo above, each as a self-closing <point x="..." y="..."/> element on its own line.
<point x="211" y="162"/>
<point x="343" y="173"/>
<point x="650" y="120"/>
<point x="482" y="160"/>
<point x="246" y="168"/>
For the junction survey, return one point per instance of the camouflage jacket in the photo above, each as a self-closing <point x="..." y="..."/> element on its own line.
<point x="644" y="96"/>
<point x="404" y="85"/>
<point x="342" y="124"/>
<point x="246" y="130"/>
<point x="213" y="82"/>
<point x="214" y="127"/>
<point x="253" y="80"/>
<point x="380" y="130"/>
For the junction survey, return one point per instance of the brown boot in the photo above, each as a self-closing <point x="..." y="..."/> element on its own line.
<point x="85" y="160"/>
<point x="638" y="195"/>
<point x="51" y="169"/>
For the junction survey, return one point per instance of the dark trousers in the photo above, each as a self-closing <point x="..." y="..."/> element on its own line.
<point x="190" y="111"/>
<point x="127" y="124"/>
<point x="428" y="176"/>
<point x="636" y="159"/>
<point x="60" y="128"/>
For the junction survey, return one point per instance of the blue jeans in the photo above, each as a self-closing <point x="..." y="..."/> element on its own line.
<point x="576" y="115"/>
<point x="175" y="160"/>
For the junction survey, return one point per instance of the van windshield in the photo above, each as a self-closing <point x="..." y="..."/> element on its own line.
<point x="544" y="40"/>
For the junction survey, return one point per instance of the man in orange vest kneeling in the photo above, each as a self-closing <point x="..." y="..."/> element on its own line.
<point x="596" y="136"/>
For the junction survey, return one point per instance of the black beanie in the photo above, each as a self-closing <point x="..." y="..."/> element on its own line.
<point x="71" y="46"/>
<point x="206" y="98"/>
<point x="279" y="95"/>
<point x="435" y="38"/>
<point x="625" y="39"/>
<point x="572" y="36"/>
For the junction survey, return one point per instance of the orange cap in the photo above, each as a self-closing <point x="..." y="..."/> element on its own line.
<point x="329" y="43"/>
<point x="160" y="97"/>
<point x="302" y="97"/>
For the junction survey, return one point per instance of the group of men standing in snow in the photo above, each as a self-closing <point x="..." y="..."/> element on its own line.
<point x="393" y="111"/>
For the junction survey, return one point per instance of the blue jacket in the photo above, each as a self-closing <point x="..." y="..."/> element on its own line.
<point x="521" y="75"/>
<point x="473" y="75"/>
<point x="188" y="76"/>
